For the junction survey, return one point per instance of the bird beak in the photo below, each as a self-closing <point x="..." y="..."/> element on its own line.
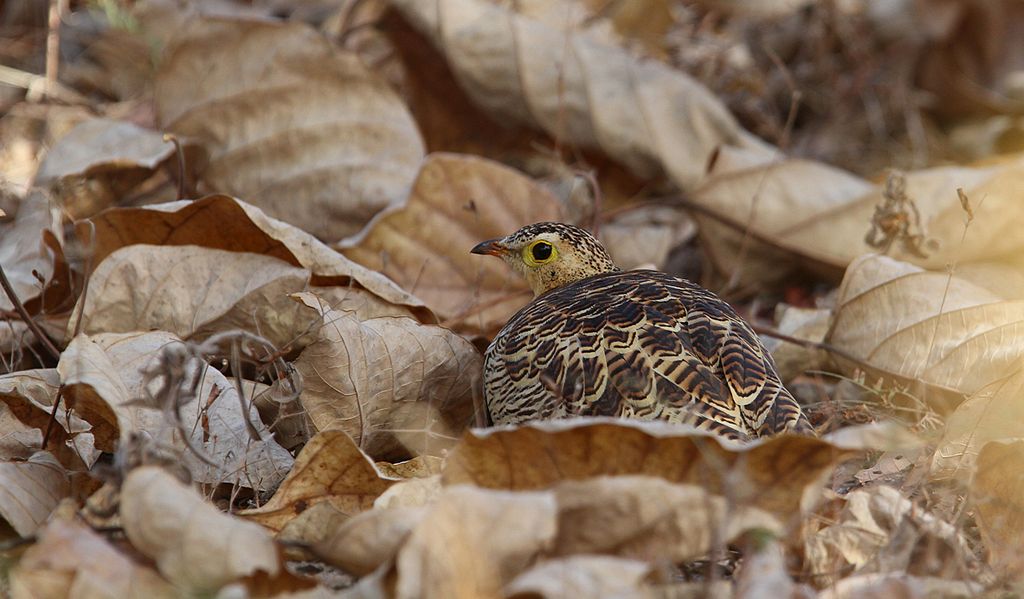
<point x="492" y="247"/>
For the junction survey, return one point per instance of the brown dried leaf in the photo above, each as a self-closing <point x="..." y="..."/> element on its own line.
<point x="368" y="540"/>
<point x="580" y="576"/>
<point x="225" y="223"/>
<point x="771" y="475"/>
<point x="642" y="113"/>
<point x="926" y="327"/>
<point x="474" y="541"/>
<point x="395" y="385"/>
<point x="423" y="245"/>
<point x="27" y="396"/>
<point x="195" y="546"/>
<point x="648" y="518"/>
<point x="330" y="468"/>
<point x="70" y="560"/>
<point x="996" y="492"/>
<point x="30" y="490"/>
<point x="104" y="378"/>
<point x="301" y="129"/>
<point x="902" y="585"/>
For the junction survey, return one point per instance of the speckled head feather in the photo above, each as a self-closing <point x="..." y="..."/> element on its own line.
<point x="550" y="255"/>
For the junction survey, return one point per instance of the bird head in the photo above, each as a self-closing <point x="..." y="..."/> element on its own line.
<point x="550" y="255"/>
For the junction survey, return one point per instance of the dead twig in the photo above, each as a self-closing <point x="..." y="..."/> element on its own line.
<point x="23" y="313"/>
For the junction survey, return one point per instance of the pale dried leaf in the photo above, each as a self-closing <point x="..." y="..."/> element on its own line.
<point x="811" y="324"/>
<point x="301" y="129"/>
<point x="29" y="491"/>
<point x="105" y="382"/>
<point x="395" y="385"/>
<point x="580" y="576"/>
<point x="473" y="541"/>
<point x="900" y="585"/>
<point x="368" y="540"/>
<point x="423" y="245"/>
<point x="804" y="213"/>
<point x="648" y="518"/>
<point x="770" y="474"/>
<point x="928" y="327"/>
<point x="70" y="560"/>
<point x="194" y="545"/>
<point x="646" y="235"/>
<point x="330" y="468"/>
<point x="100" y="146"/>
<point x="993" y="412"/>
<point x="414" y="492"/>
<point x="224" y="223"/>
<point x="642" y="113"/>
<point x="28" y="396"/>
<point x="22" y="251"/>
<point x="996" y="493"/>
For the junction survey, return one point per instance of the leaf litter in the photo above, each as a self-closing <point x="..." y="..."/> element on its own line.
<point x="266" y="328"/>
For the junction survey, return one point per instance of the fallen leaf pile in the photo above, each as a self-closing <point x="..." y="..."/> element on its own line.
<point x="241" y="331"/>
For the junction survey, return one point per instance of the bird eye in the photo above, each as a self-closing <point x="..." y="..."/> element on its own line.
<point x="541" y="251"/>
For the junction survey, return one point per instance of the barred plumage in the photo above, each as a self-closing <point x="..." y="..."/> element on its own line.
<point x="639" y="344"/>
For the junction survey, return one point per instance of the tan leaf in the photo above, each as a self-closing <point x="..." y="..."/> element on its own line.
<point x="223" y="223"/>
<point x="642" y="113"/>
<point x="330" y="468"/>
<point x="810" y="214"/>
<point x="395" y="385"/>
<point x="648" y="518"/>
<point x="413" y="492"/>
<point x="22" y="251"/>
<point x="646" y="236"/>
<point x="370" y="539"/>
<point x="474" y="541"/>
<point x="996" y="492"/>
<point x="423" y="245"/>
<point x="580" y="576"/>
<point x="927" y="327"/>
<point x="303" y="130"/>
<point x="771" y="475"/>
<point x="872" y="534"/>
<point x="93" y="165"/>
<point x="28" y="397"/>
<point x="189" y="291"/>
<point x="900" y="584"/>
<point x="194" y="545"/>
<point x="70" y="560"/>
<point x="105" y="381"/>
<point x="29" y="491"/>
<point x="993" y="412"/>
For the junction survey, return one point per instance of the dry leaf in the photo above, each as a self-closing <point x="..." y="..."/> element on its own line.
<point x="395" y="385"/>
<point x="898" y="584"/>
<point x="423" y="245"/>
<point x="223" y="223"/>
<point x="105" y="382"/>
<point x="770" y="218"/>
<point x="771" y="474"/>
<point x="994" y="412"/>
<point x="28" y="396"/>
<point x="474" y="541"/>
<point x="648" y="518"/>
<point x="195" y="546"/>
<point x="580" y="576"/>
<point x="29" y="491"/>
<point x="70" y="560"/>
<point x="646" y="236"/>
<point x="996" y="492"/>
<point x="642" y="113"/>
<point x="330" y="468"/>
<point x="22" y="251"/>
<point x="299" y="128"/>
<point x="926" y="327"/>
<point x="879" y="530"/>
<point x="368" y="540"/>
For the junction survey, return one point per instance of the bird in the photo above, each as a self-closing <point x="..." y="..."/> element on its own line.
<point x="597" y="340"/>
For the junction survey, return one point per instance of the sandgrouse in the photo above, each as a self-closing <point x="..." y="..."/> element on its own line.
<point x="600" y="341"/>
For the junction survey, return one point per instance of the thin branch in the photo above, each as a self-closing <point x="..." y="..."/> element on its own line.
<point x="23" y="313"/>
<point x="768" y="331"/>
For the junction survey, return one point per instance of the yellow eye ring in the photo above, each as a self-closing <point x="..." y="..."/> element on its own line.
<point x="539" y="252"/>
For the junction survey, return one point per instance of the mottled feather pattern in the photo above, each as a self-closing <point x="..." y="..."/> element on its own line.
<point x="638" y="344"/>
